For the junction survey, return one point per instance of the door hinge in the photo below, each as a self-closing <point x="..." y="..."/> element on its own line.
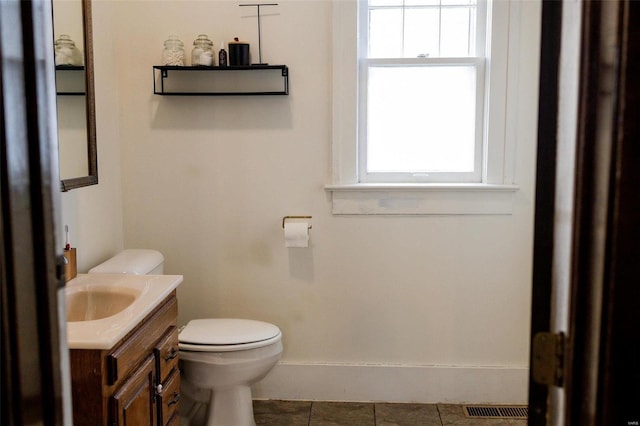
<point x="548" y="358"/>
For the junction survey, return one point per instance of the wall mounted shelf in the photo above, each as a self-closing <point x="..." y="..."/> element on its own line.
<point x="70" y="80"/>
<point x="252" y="80"/>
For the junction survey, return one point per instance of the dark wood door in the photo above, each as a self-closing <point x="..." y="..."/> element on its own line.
<point x="135" y="402"/>
<point x="32" y="354"/>
<point x="586" y="255"/>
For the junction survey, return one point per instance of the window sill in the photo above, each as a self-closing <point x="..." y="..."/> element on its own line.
<point x="422" y="199"/>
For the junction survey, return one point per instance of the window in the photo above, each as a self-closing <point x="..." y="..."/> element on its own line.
<point x="394" y="149"/>
<point x="421" y="90"/>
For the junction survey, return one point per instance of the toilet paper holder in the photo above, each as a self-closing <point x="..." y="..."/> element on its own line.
<point x="284" y="219"/>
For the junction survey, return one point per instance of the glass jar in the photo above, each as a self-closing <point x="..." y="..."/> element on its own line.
<point x="66" y="52"/>
<point x="173" y="53"/>
<point x="202" y="53"/>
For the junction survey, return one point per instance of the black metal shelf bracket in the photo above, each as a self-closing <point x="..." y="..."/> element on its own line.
<point x="163" y="72"/>
<point x="69" y="67"/>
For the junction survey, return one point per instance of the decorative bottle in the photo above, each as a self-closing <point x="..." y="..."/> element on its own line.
<point x="222" y="56"/>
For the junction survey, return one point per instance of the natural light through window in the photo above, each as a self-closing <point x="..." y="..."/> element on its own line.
<point x="435" y="128"/>
<point x="421" y="91"/>
<point x="410" y="28"/>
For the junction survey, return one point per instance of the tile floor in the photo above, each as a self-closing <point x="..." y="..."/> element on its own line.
<point x="307" y="413"/>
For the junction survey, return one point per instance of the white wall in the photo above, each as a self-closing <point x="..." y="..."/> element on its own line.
<point x="439" y="305"/>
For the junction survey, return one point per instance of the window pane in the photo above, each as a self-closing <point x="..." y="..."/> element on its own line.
<point x="430" y="28"/>
<point x="422" y="3"/>
<point x="385" y="33"/>
<point x="459" y="2"/>
<point x="421" y="119"/>
<point x="421" y="32"/>
<point x="456" y="37"/>
<point x="385" y="2"/>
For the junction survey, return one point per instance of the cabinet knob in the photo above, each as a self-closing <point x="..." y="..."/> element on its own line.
<point x="159" y="389"/>
<point x="171" y="355"/>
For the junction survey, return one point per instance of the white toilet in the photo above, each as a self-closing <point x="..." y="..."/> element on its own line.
<point x="219" y="358"/>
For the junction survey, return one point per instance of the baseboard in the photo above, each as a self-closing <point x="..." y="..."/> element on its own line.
<point x="395" y="383"/>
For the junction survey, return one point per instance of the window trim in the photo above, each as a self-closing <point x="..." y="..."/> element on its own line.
<point x="366" y="63"/>
<point x="498" y="170"/>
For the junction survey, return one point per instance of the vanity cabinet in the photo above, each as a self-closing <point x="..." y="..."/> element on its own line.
<point x="135" y="383"/>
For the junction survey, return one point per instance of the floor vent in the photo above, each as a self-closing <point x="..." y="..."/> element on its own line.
<point x="496" y="411"/>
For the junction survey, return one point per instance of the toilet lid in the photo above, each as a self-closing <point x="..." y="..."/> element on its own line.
<point x="226" y="331"/>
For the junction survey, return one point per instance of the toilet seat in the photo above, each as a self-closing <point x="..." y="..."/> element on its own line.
<point x="227" y="334"/>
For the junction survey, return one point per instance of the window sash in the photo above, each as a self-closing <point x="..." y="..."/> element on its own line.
<point x="473" y="176"/>
<point x="407" y="11"/>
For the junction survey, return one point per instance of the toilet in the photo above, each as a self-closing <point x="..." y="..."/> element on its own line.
<point x="220" y="358"/>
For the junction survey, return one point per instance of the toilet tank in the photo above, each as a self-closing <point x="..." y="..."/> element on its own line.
<point x="132" y="261"/>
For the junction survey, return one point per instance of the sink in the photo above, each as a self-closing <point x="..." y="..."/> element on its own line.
<point x="99" y="302"/>
<point x="102" y="308"/>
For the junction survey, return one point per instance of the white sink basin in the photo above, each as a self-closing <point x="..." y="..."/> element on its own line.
<point x="102" y="308"/>
<point x="97" y="302"/>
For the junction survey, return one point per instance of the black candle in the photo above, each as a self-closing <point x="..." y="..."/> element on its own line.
<point x="238" y="53"/>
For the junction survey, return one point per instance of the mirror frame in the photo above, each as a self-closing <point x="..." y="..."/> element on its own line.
<point x="92" y="147"/>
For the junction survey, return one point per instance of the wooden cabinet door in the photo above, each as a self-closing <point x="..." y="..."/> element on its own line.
<point x="166" y="352"/>
<point x="169" y="399"/>
<point x="134" y="402"/>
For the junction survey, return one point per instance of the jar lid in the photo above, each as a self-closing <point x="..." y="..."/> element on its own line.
<point x="65" y="39"/>
<point x="202" y="38"/>
<point x="174" y="40"/>
<point x="237" y="41"/>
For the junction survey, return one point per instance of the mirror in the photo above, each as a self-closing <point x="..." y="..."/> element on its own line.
<point x="75" y="94"/>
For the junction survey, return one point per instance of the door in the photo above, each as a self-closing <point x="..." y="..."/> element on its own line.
<point x="35" y="383"/>
<point x="135" y="402"/>
<point x="586" y="281"/>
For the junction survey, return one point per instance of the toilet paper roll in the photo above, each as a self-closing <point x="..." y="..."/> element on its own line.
<point x="296" y="234"/>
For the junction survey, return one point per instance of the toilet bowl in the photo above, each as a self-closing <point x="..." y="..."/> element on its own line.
<point x="227" y="356"/>
<point x="220" y="358"/>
